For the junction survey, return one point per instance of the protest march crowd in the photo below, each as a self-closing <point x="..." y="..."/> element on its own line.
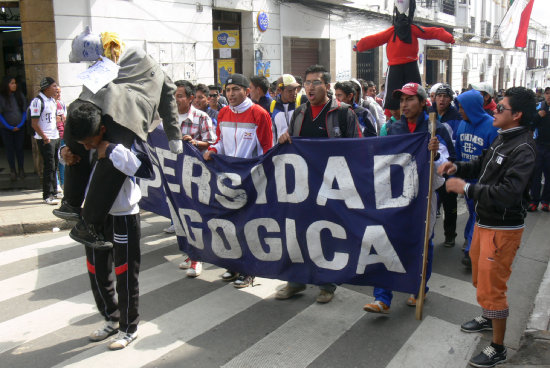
<point x="490" y="150"/>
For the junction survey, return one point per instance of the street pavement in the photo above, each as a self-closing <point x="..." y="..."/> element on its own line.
<point x="47" y="310"/>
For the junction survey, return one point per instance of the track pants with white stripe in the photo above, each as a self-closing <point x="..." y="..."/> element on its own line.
<point x="125" y="233"/>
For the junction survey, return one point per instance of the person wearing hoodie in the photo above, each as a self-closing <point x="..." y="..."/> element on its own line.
<point x="474" y="134"/>
<point x="541" y="122"/>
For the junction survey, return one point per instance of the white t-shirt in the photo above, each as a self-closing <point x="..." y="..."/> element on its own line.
<point x="46" y="120"/>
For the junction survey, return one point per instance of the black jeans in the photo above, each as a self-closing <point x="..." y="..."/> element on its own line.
<point x="51" y="159"/>
<point x="13" y="141"/>
<point x="542" y="165"/>
<point x="450" y="209"/>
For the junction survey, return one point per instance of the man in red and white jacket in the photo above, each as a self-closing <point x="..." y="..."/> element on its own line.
<point x="244" y="130"/>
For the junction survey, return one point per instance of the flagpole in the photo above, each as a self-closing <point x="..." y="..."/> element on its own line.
<point x="421" y="292"/>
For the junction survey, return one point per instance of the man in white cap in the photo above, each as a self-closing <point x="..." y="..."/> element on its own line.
<point x="489" y="105"/>
<point x="283" y="106"/>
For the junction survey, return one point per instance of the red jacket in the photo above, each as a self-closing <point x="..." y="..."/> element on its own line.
<point x="398" y="51"/>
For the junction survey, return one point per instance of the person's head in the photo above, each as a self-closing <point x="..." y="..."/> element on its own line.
<point x="259" y="87"/>
<point x="9" y="86"/>
<point x="443" y="98"/>
<point x="412" y="99"/>
<point x="344" y="92"/>
<point x="288" y="88"/>
<point x="433" y="89"/>
<point x="516" y="108"/>
<point x="357" y="88"/>
<point x="236" y="89"/>
<point x="300" y="81"/>
<point x="486" y="90"/>
<point x="547" y="95"/>
<point x="48" y="87"/>
<point x="84" y="124"/>
<point x="396" y="114"/>
<point x="185" y="94"/>
<point x="201" y="97"/>
<point x="213" y="96"/>
<point x="317" y="83"/>
<point x="58" y="93"/>
<point x="370" y="89"/>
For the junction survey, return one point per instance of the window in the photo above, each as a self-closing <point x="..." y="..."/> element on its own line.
<point x="490" y="60"/>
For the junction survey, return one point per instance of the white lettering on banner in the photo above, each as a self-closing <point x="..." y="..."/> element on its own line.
<point x="231" y="198"/>
<point x="196" y="240"/>
<point x="382" y="180"/>
<point x="230" y="234"/>
<point x="163" y="155"/>
<point x="337" y="170"/>
<point x="251" y="232"/>
<point x="301" y="185"/>
<point x="292" y="245"/>
<point x="260" y="183"/>
<point x="144" y="184"/>
<point x="376" y="237"/>
<point x="176" y="219"/>
<point x="202" y="181"/>
<point x="313" y="237"/>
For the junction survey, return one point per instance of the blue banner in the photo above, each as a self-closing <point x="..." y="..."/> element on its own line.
<point x="314" y="211"/>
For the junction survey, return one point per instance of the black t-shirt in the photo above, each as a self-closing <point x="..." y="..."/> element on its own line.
<point x="315" y="128"/>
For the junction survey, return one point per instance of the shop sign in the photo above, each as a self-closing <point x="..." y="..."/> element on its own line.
<point x="226" y="39"/>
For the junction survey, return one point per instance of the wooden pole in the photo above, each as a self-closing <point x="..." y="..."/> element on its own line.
<point x="427" y="234"/>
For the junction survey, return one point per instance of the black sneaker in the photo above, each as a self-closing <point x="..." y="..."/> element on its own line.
<point x="449" y="241"/>
<point x="466" y="261"/>
<point x="244" y="281"/>
<point x="488" y="357"/>
<point x="67" y="212"/>
<point x="88" y="235"/>
<point x="477" y="324"/>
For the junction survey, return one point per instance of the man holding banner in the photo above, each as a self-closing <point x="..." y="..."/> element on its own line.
<point x="243" y="130"/>
<point x="415" y="119"/>
<point x="320" y="117"/>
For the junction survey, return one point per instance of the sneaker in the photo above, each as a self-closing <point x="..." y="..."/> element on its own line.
<point x="449" y="241"/>
<point x="488" y="357"/>
<point x="288" y="292"/>
<point x="59" y="194"/>
<point x="411" y="301"/>
<point x="324" y="296"/>
<point x="109" y="328"/>
<point x="466" y="261"/>
<point x="229" y="275"/>
<point x="195" y="269"/>
<point x="532" y="207"/>
<point x="88" y="235"/>
<point x="170" y="229"/>
<point x="477" y="324"/>
<point x="185" y="264"/>
<point x="244" y="281"/>
<point x="122" y="340"/>
<point x="51" y="200"/>
<point x="377" y="307"/>
<point x="545" y="207"/>
<point x="67" y="212"/>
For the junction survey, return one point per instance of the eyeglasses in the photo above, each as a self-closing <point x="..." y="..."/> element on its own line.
<point x="213" y="95"/>
<point x="501" y="108"/>
<point x="315" y="83"/>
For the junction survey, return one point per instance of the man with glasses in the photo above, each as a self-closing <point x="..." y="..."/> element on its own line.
<point x="215" y="103"/>
<point x="500" y="195"/>
<point x="320" y="117"/>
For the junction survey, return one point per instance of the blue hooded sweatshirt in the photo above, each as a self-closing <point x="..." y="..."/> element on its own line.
<point x="477" y="133"/>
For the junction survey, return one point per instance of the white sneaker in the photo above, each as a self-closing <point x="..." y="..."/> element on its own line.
<point x="170" y="229"/>
<point x="59" y="194"/>
<point x="122" y="340"/>
<point x="51" y="200"/>
<point x="195" y="269"/>
<point x="109" y="328"/>
<point x="185" y="264"/>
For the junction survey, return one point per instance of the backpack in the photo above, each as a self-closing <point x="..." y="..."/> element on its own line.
<point x="30" y="129"/>
<point x="343" y="118"/>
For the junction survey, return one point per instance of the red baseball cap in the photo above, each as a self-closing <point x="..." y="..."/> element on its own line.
<point x="411" y="89"/>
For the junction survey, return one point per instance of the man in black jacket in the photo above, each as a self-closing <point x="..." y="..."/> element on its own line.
<point x="500" y="196"/>
<point x="541" y="123"/>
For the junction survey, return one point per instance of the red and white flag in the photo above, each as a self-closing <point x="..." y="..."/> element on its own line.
<point x="514" y="26"/>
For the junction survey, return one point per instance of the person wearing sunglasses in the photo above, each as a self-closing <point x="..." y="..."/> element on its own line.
<point x="474" y="134"/>
<point x="500" y="195"/>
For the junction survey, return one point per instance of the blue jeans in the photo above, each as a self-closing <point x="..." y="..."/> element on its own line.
<point x="330" y="287"/>
<point x="469" y="228"/>
<point x="61" y="169"/>
<point x="386" y="295"/>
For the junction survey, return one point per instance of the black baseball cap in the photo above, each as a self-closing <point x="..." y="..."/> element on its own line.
<point x="238" y="79"/>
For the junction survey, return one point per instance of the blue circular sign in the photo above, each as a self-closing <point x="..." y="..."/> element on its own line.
<point x="222" y="38"/>
<point x="263" y="21"/>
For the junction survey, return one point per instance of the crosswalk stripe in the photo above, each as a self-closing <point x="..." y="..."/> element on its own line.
<point x="35" y="250"/>
<point x="301" y="339"/>
<point x="453" y="288"/>
<point x="49" y="275"/>
<point x="200" y="315"/>
<point x="40" y="322"/>
<point x="436" y="344"/>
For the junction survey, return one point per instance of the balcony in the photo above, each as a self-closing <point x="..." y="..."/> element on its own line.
<point x="485" y="31"/>
<point x="443" y="6"/>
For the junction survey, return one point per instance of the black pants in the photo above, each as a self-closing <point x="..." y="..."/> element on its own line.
<point x="106" y="181"/>
<point x="398" y="76"/>
<point x="448" y="200"/>
<point x="542" y="166"/>
<point x="125" y="233"/>
<point x="49" y="155"/>
<point x="13" y="141"/>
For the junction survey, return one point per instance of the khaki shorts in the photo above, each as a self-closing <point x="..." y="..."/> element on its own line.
<point x="492" y="253"/>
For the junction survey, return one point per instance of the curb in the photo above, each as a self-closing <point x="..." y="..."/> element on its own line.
<point x="33" y="228"/>
<point x="540" y="316"/>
